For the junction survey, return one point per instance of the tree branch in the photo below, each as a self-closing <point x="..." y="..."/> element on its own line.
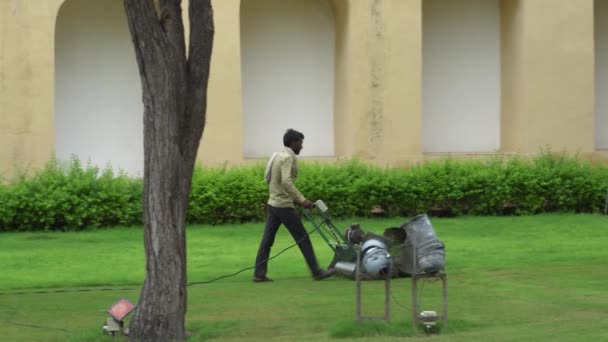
<point x="201" y="42"/>
<point x="170" y="19"/>
<point x="160" y="49"/>
<point x="141" y="15"/>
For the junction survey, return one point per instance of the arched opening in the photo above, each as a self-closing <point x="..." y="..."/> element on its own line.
<point x="461" y="75"/>
<point x="98" y="106"/>
<point x="287" y="57"/>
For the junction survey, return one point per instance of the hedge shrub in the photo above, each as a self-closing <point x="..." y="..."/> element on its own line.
<point x="223" y="196"/>
<point x="70" y="196"/>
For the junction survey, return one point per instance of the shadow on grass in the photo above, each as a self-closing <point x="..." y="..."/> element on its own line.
<point x="355" y="329"/>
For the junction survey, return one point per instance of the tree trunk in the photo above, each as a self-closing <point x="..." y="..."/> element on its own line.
<point x="174" y="88"/>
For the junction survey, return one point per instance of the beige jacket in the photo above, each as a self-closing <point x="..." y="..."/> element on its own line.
<point x="282" y="171"/>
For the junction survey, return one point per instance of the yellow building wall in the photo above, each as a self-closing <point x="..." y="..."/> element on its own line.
<point x="223" y="136"/>
<point x="560" y="72"/>
<point x="512" y="119"/>
<point x="27" y="135"/>
<point x="378" y="81"/>
<point x="547" y="76"/>
<point x="547" y="81"/>
<point x="26" y="84"/>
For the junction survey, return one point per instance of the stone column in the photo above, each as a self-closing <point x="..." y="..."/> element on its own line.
<point x="378" y="81"/>
<point x="26" y="84"/>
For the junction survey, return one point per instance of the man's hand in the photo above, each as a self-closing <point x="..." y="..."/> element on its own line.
<point x="308" y="204"/>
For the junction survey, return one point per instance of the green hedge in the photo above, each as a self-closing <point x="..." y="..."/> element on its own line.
<point x="71" y="196"/>
<point x="546" y="183"/>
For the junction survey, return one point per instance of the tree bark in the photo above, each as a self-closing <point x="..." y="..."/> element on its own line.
<point x="174" y="92"/>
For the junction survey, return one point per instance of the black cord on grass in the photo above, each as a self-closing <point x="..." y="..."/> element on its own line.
<point x="420" y="294"/>
<point x="13" y="311"/>
<point x="252" y="267"/>
<point x="398" y="304"/>
<point x="136" y="288"/>
<point x="67" y="291"/>
<point x="133" y="289"/>
<point x="419" y="301"/>
<point x="37" y="326"/>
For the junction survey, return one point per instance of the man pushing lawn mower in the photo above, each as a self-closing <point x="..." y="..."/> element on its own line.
<point x="281" y="171"/>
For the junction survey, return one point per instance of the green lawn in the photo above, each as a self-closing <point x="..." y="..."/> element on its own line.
<point x="533" y="278"/>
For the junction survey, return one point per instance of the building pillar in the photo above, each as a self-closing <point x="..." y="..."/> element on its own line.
<point x="378" y="81"/>
<point x="26" y="84"/>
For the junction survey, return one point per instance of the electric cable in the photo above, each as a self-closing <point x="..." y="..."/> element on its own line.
<point x="132" y="289"/>
<point x="36" y="326"/>
<point x="137" y="288"/>
<point x="397" y="302"/>
<point x="419" y="295"/>
<point x="12" y="311"/>
<point x="419" y="301"/>
<point x="67" y="291"/>
<point x="254" y="266"/>
<point x="421" y="289"/>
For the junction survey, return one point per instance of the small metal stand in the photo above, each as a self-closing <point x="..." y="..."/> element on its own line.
<point x="415" y="309"/>
<point x="387" y="294"/>
<point x="115" y="324"/>
<point x="444" y="292"/>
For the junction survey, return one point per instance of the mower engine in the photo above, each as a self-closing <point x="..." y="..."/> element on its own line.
<point x="369" y="253"/>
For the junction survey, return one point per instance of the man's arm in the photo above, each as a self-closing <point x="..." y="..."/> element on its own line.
<point x="287" y="182"/>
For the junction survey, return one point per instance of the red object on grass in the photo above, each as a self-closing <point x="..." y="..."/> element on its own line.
<point x="121" y="309"/>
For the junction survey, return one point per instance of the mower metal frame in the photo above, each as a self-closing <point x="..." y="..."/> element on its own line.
<point x="343" y="251"/>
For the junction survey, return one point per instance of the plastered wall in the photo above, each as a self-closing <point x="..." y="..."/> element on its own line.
<point x="547" y="82"/>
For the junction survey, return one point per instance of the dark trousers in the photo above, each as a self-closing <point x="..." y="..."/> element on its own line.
<point x="289" y="217"/>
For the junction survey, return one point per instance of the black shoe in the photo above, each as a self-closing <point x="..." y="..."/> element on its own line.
<point x="263" y="279"/>
<point x="324" y="274"/>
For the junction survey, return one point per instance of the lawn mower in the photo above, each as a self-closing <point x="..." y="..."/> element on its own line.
<point x="412" y="248"/>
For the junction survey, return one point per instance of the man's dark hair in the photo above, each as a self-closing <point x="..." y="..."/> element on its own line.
<point x="291" y="136"/>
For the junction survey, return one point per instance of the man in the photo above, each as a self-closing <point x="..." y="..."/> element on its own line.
<point x="281" y="171"/>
